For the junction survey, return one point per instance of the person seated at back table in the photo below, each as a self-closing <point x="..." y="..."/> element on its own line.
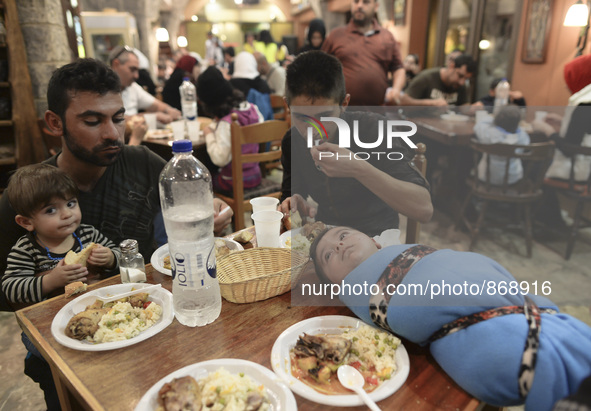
<point x="246" y="75"/>
<point x="135" y="99"/>
<point x="221" y="100"/>
<point x="488" y="101"/>
<point x="504" y="128"/>
<point x="369" y="192"/>
<point x="505" y="348"/>
<point x="187" y="66"/>
<point x="118" y="183"/>
<point x="441" y="86"/>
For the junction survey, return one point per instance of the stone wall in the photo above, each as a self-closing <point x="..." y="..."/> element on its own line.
<point x="44" y="32"/>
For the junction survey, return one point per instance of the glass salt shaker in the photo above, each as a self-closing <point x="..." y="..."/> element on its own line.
<point x="133" y="269"/>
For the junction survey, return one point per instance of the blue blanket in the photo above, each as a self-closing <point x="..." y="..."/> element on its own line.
<point x="483" y="358"/>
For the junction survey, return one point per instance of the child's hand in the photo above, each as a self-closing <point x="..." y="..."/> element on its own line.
<point x="102" y="257"/>
<point x="63" y="274"/>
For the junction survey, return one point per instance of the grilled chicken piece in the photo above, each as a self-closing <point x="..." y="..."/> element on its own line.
<point x="181" y="394"/>
<point x="311" y="230"/>
<point x="138" y="300"/>
<point x="324" y="347"/>
<point x="254" y="401"/>
<point x="84" y="324"/>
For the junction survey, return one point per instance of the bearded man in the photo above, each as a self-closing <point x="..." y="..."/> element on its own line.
<point x="368" y="53"/>
<point x="118" y="184"/>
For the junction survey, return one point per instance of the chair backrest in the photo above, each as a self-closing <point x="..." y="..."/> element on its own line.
<point x="535" y="159"/>
<point x="261" y="134"/>
<point x="278" y="106"/>
<point x="575" y="153"/>
<point x="413" y="227"/>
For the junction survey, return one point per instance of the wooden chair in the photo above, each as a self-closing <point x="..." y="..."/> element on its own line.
<point x="413" y="227"/>
<point x="261" y="133"/>
<point x="535" y="158"/>
<point x="279" y="107"/>
<point x="281" y="112"/>
<point x="579" y="191"/>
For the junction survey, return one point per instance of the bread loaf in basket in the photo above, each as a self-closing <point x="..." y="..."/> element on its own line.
<point x="259" y="273"/>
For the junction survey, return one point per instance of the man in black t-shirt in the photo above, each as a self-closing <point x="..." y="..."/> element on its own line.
<point x="441" y="86"/>
<point x="353" y="186"/>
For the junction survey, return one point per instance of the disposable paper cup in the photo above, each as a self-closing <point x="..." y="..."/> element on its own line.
<point x="540" y="115"/>
<point x="264" y="203"/>
<point x="266" y="225"/>
<point x="178" y="129"/>
<point x="193" y="130"/>
<point x="150" y="119"/>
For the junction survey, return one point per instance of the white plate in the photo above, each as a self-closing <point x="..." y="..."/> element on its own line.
<point x="160" y="296"/>
<point x="331" y="324"/>
<point x="159" y="133"/>
<point x="288" y="235"/>
<point x="157" y="259"/>
<point x="455" y="117"/>
<point x="280" y="397"/>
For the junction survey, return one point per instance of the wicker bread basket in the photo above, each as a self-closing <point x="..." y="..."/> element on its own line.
<point x="258" y="273"/>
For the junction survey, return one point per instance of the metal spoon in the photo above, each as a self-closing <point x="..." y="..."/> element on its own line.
<point x="353" y="380"/>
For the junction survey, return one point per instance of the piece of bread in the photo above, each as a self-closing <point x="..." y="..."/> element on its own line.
<point x="243" y="237"/>
<point x="75" y="288"/>
<point x="81" y="257"/>
<point x="292" y="220"/>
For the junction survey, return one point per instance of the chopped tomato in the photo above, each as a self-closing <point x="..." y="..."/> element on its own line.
<point x="372" y="380"/>
<point x="146" y="304"/>
<point x="356" y="365"/>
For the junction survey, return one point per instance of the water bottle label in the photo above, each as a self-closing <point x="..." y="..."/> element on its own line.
<point x="211" y="264"/>
<point x="190" y="270"/>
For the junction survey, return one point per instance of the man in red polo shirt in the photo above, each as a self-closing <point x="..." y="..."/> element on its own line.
<point x="368" y="52"/>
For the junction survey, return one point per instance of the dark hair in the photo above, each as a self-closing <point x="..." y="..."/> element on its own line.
<point x="508" y="118"/>
<point x="82" y="75"/>
<point x="466" y="60"/>
<point x="266" y="37"/>
<point x="315" y="74"/>
<point x="415" y="57"/>
<point x="319" y="271"/>
<point x="224" y="108"/>
<point x="32" y="187"/>
<point x="230" y="51"/>
<point x="495" y="83"/>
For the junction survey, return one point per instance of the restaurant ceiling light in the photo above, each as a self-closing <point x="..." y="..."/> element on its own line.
<point x="577" y="15"/>
<point x="238" y="2"/>
<point x="162" y="34"/>
<point x="484" y="45"/>
<point x="181" y="41"/>
<point x="194" y="17"/>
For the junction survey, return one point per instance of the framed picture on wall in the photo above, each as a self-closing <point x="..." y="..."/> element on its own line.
<point x="537" y="31"/>
<point x="399" y="12"/>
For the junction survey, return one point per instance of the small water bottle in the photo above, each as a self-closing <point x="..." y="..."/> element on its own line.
<point x="186" y="197"/>
<point x="133" y="269"/>
<point x="188" y="99"/>
<point x="502" y="94"/>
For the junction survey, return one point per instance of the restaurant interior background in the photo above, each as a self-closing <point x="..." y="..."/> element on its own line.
<point x="524" y="40"/>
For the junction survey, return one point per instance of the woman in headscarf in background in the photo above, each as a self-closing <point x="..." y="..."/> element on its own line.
<point x="247" y="76"/>
<point x="187" y="66"/>
<point x="316" y="36"/>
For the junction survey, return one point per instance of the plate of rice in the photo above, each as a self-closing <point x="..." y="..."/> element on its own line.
<point x="226" y="384"/>
<point x="294" y="240"/>
<point x="350" y="328"/>
<point x="122" y="325"/>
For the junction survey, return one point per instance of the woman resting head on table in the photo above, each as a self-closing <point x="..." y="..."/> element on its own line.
<point x="503" y="349"/>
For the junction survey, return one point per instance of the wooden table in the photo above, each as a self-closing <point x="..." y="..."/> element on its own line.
<point x="117" y="379"/>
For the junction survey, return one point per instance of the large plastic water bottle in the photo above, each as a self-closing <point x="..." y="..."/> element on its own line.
<point x="502" y="93"/>
<point x="188" y="99"/>
<point x="186" y="196"/>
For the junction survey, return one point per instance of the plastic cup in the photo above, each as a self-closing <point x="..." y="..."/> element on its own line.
<point x="150" y="119"/>
<point x="178" y="129"/>
<point x="193" y="130"/>
<point x="540" y="115"/>
<point x="264" y="203"/>
<point x="266" y="225"/>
